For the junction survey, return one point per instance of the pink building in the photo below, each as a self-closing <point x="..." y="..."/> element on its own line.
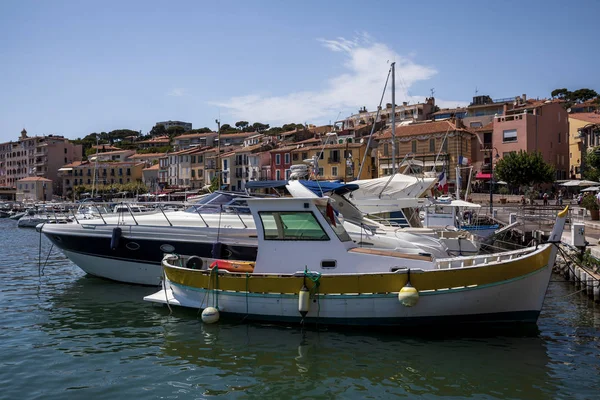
<point x="535" y="125"/>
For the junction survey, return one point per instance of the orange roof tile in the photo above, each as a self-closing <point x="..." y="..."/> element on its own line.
<point x="152" y="168"/>
<point x="591" y="117"/>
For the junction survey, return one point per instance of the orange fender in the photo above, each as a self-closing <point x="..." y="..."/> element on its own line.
<point x="234" y="266"/>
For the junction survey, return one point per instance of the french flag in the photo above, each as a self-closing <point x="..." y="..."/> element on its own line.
<point x="443" y="182"/>
<point x="463" y="160"/>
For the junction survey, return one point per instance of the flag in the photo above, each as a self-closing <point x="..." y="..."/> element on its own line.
<point x="330" y="214"/>
<point x="443" y="182"/>
<point x="463" y="160"/>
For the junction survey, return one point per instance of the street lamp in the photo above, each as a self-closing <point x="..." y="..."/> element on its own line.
<point x="492" y="178"/>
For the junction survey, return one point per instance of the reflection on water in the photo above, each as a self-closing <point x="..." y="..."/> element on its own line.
<point x="75" y="336"/>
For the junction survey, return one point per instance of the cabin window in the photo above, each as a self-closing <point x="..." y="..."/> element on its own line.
<point x="292" y="225"/>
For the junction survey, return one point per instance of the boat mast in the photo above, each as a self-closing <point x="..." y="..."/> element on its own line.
<point x="393" y="118"/>
<point x="95" y="167"/>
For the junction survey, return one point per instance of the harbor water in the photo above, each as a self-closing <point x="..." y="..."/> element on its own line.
<point x="64" y="335"/>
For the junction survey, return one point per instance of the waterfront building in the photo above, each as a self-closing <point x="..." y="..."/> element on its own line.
<point x="150" y="178"/>
<point x="34" y="188"/>
<point x="147" y="158"/>
<point x="427" y="146"/>
<point x="584" y="135"/>
<point x="106" y="173"/>
<point x="38" y="156"/>
<point x="281" y="161"/>
<point x="534" y="125"/>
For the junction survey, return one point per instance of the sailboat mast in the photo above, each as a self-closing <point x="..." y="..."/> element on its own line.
<point x="393" y="118"/>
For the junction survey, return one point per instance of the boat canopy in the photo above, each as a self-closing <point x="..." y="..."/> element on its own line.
<point x="317" y="187"/>
<point x="400" y="185"/>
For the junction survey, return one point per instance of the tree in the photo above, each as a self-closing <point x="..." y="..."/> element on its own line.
<point x="291" y="127"/>
<point x="226" y="128"/>
<point x="591" y="168"/>
<point x="158" y="130"/>
<point x="260" y="127"/>
<point x="524" y="169"/>
<point x="560" y="93"/>
<point x="242" y="125"/>
<point x="176" y="130"/>
<point x="582" y="95"/>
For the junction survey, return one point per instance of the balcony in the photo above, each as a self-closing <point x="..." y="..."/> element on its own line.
<point x="331" y="160"/>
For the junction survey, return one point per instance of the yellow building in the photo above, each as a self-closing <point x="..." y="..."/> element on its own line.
<point x="338" y="161"/>
<point x="580" y="140"/>
<point x="107" y="173"/>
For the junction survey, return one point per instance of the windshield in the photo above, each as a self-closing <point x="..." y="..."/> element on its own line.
<point x="215" y="202"/>
<point x="335" y="224"/>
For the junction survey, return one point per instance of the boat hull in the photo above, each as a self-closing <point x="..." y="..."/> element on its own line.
<point x="137" y="256"/>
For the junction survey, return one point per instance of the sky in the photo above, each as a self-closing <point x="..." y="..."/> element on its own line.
<point x="72" y="68"/>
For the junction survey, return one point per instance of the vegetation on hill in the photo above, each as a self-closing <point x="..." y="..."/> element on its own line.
<point x="574" y="97"/>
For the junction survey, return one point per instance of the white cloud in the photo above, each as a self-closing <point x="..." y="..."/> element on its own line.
<point x="366" y="64"/>
<point x="177" y="92"/>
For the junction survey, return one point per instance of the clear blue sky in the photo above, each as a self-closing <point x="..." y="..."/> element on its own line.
<point x="73" y="67"/>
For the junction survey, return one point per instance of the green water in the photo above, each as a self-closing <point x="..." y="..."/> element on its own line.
<point x="67" y="336"/>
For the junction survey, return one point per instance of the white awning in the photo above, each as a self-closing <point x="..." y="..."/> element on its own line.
<point x="65" y="169"/>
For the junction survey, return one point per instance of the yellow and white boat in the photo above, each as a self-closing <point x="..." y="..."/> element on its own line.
<point x="309" y="270"/>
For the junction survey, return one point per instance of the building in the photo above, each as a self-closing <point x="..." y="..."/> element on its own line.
<point x="34" y="189"/>
<point x="150" y="178"/>
<point x="180" y="167"/>
<point x="245" y="165"/>
<point x="337" y="161"/>
<point x="584" y="134"/>
<point x="101" y="173"/>
<point x="197" y="168"/>
<point x="147" y="158"/>
<point x="534" y="125"/>
<point x="183" y="142"/>
<point x="281" y="161"/>
<point x="159" y="141"/>
<point x="114" y="156"/>
<point x="427" y="146"/>
<point x="360" y="124"/>
<point x="168" y="124"/>
<point x="39" y="156"/>
<point x="295" y="136"/>
<point x="234" y="139"/>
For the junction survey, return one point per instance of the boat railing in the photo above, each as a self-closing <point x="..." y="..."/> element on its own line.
<point x="471" y="261"/>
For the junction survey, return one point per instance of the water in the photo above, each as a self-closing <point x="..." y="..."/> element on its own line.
<point x="67" y="336"/>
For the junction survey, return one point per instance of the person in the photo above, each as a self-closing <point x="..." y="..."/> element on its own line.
<point x="559" y="198"/>
<point x="545" y="198"/>
<point x="523" y="199"/>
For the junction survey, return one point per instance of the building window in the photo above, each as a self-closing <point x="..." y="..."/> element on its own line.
<point x="321" y="172"/>
<point x="445" y="145"/>
<point x="386" y="150"/>
<point x="277" y="159"/>
<point x="509" y="135"/>
<point x="559" y="136"/>
<point x="295" y="156"/>
<point x="193" y="174"/>
<point x="432" y="145"/>
<point x="287" y="174"/>
<point x="335" y="155"/>
<point x="277" y="174"/>
<point x="414" y="146"/>
<point x="287" y="158"/>
<point x="334" y="171"/>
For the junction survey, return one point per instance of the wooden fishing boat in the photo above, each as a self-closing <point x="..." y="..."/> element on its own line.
<point x="307" y="269"/>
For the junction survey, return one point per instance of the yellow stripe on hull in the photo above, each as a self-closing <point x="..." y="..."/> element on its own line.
<point x="364" y="283"/>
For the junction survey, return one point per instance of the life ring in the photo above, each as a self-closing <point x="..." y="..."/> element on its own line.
<point x="233" y="266"/>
